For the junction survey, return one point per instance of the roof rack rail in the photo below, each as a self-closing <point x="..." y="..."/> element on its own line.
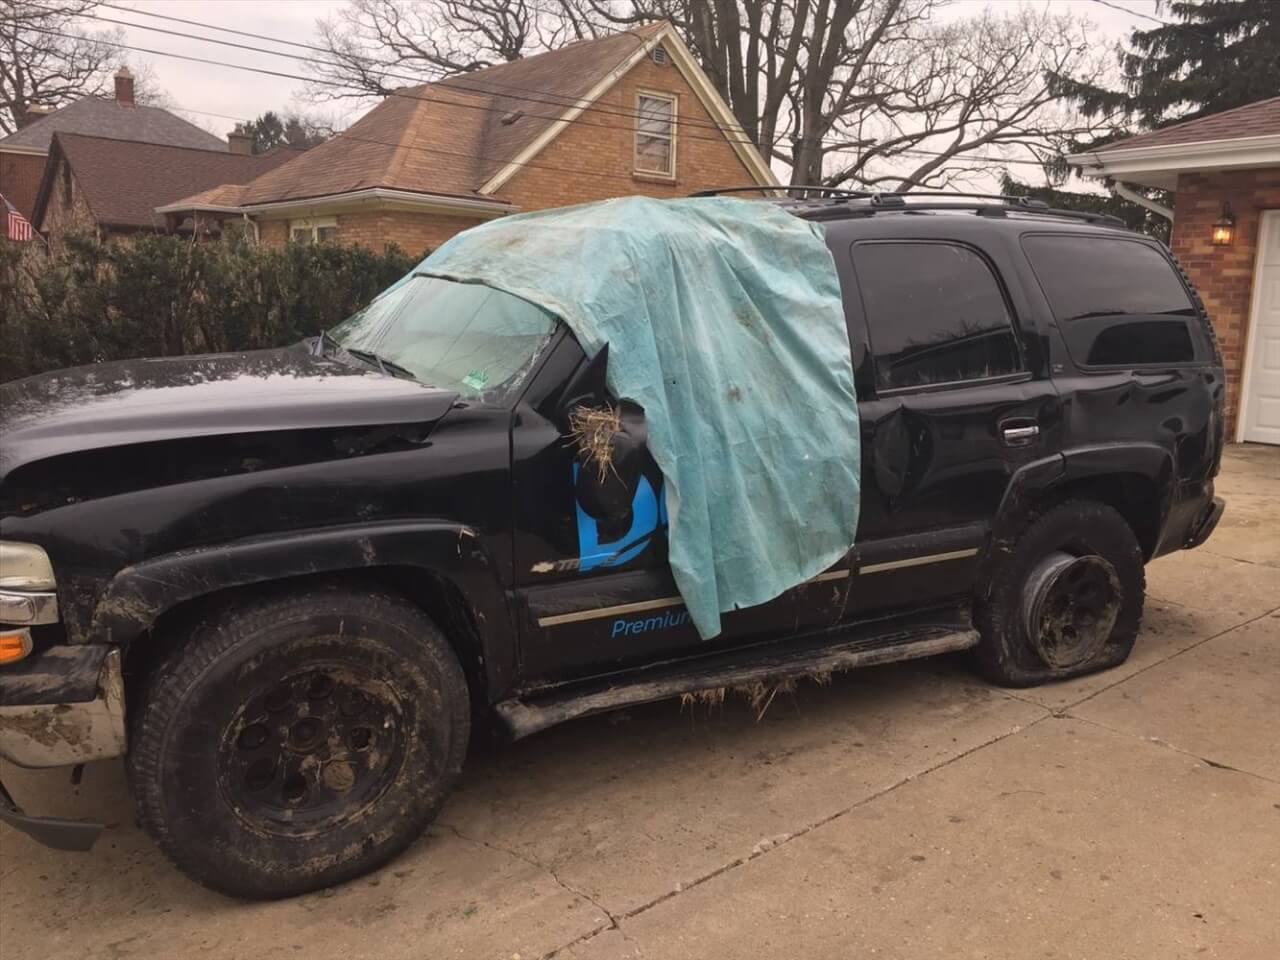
<point x="983" y="204"/>
<point x="991" y="204"/>
<point x="834" y="193"/>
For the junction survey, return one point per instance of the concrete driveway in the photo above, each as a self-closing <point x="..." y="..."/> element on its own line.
<point x="908" y="811"/>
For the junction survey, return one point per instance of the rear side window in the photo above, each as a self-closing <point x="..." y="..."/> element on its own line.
<point x="1118" y="302"/>
<point x="935" y="314"/>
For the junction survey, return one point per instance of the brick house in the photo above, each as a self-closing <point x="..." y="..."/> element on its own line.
<point x="1224" y="170"/>
<point x="630" y="113"/>
<point x="24" y="152"/>
<point x="112" y="187"/>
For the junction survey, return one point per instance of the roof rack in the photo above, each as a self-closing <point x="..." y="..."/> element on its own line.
<point x="834" y="193"/>
<point x="983" y="204"/>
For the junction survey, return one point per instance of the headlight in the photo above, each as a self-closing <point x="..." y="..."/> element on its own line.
<point x="24" y="566"/>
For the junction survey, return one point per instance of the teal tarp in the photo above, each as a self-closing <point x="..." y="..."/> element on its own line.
<point x="724" y="322"/>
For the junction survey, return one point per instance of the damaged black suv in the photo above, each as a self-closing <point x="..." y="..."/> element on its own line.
<point x="287" y="585"/>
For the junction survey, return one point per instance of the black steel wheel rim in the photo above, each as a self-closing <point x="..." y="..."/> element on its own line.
<point x="312" y="750"/>
<point x="1070" y="608"/>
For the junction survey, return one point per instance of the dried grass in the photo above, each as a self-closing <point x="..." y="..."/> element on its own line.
<point x="705" y="698"/>
<point x="759" y="695"/>
<point x="592" y="430"/>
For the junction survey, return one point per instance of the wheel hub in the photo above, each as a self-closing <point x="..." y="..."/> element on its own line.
<point x="311" y="751"/>
<point x="1070" y="607"/>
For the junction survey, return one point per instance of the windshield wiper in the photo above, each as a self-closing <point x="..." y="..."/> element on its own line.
<point x="389" y="367"/>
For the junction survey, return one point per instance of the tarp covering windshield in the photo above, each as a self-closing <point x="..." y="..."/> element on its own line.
<point x="724" y="322"/>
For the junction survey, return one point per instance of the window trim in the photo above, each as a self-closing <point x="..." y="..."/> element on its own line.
<point x="1096" y="368"/>
<point x="636" y="169"/>
<point x="1015" y="328"/>
<point x="314" y="224"/>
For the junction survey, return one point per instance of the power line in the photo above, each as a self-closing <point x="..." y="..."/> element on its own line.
<point x="559" y="100"/>
<point x="1187" y="25"/>
<point x="1134" y="13"/>
<point x="373" y="61"/>
<point x="718" y="135"/>
<point x="530" y="164"/>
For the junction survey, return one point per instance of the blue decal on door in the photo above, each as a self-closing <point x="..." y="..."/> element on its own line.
<point x="648" y="513"/>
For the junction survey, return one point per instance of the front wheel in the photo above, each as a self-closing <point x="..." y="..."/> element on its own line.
<point x="1067" y="600"/>
<point x="296" y="742"/>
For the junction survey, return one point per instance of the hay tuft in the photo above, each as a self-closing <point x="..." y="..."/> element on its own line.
<point x="592" y="430"/>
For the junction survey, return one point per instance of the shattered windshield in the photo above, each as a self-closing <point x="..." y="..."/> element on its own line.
<point x="465" y="337"/>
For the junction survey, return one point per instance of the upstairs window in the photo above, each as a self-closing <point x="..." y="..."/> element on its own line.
<point x="656" y="135"/>
<point x="313" y="230"/>
<point x="935" y="314"/>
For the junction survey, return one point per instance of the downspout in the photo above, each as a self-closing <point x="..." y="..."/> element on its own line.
<point x="1120" y="190"/>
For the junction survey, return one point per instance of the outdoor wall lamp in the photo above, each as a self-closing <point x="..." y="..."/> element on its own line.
<point x="1224" y="228"/>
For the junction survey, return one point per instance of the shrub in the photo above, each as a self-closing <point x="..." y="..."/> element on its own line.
<point x="153" y="295"/>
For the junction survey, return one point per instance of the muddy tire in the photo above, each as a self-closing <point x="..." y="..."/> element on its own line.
<point x="295" y="742"/>
<point x="1066" y="601"/>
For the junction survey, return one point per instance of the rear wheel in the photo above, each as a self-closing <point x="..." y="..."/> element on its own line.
<point x="1066" y="601"/>
<point x="300" y="741"/>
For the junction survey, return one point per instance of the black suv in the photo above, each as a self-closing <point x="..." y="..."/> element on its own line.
<point x="309" y="576"/>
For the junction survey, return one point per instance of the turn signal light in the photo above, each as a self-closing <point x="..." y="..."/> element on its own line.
<point x="14" y="645"/>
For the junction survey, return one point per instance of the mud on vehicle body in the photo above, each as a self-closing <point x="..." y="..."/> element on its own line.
<point x="289" y="584"/>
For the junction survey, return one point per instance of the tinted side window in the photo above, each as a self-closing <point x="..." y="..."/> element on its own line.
<point x="1117" y="302"/>
<point x="935" y="314"/>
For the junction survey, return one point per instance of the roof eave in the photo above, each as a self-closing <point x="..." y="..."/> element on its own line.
<point x="1159" y="165"/>
<point x="22" y="151"/>
<point x="484" y="208"/>
<point x="181" y="207"/>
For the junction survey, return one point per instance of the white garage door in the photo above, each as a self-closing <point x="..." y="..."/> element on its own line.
<point x="1261" y="420"/>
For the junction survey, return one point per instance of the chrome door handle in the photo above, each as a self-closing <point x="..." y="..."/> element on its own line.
<point x="1020" y="436"/>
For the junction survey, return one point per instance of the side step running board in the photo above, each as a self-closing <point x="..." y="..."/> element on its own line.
<point x="861" y="645"/>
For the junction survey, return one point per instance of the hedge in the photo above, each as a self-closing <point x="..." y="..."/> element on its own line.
<point x="153" y="295"/>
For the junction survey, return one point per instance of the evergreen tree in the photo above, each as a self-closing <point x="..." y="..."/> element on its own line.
<point x="272" y="130"/>
<point x="1219" y="54"/>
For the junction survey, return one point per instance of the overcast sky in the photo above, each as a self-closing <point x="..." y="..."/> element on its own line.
<point x="216" y="97"/>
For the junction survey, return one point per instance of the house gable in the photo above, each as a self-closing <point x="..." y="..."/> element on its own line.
<point x="593" y="158"/>
<point x="702" y="111"/>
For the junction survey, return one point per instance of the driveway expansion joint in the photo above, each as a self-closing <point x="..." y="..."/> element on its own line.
<point x="762" y="848"/>
<point x="1157" y="741"/>
<point x="548" y="870"/>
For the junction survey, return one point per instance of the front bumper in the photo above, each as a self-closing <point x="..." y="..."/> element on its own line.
<point x="61" y="706"/>
<point x="1205" y="524"/>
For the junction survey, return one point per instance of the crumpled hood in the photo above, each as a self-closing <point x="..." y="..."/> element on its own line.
<point x="143" y="401"/>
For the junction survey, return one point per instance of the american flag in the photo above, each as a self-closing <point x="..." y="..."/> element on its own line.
<point x="17" y="227"/>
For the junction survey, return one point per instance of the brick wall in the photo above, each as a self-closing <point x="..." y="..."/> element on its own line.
<point x="703" y="158"/>
<point x="273" y="233"/>
<point x="20" y="175"/>
<point x="412" y="232"/>
<point x="1224" y="275"/>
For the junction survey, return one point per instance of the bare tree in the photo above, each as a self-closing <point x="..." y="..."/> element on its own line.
<point x="39" y="69"/>
<point x="870" y="92"/>
<point x="375" y="46"/>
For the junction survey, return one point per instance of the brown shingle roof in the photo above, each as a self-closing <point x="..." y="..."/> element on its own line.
<point x="448" y="137"/>
<point x="1252" y="120"/>
<point x="100" y="117"/>
<point x="123" y="181"/>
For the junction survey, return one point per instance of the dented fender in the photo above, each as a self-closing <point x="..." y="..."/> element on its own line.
<point x="139" y="594"/>
<point x="1042" y="477"/>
